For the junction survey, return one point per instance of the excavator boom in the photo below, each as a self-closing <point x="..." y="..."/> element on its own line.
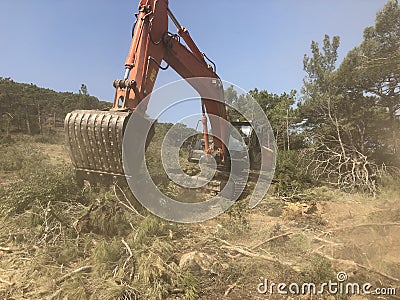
<point x="95" y="137"/>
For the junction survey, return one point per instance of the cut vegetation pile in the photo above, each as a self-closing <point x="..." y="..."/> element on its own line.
<point x="61" y="242"/>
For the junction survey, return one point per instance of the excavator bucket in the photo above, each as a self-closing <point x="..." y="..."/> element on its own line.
<point x="95" y="143"/>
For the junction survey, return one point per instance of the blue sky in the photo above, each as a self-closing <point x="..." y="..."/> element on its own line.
<point x="62" y="44"/>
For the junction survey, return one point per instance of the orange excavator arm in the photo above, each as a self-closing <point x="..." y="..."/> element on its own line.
<point x="95" y="137"/>
<point x="144" y="56"/>
<point x="151" y="44"/>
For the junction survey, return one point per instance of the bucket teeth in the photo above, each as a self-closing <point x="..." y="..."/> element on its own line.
<point x="95" y="140"/>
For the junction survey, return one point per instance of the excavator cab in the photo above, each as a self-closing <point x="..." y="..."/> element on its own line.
<point x="238" y="146"/>
<point x="251" y="145"/>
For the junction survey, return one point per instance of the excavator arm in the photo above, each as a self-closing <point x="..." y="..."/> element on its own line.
<point x="145" y="55"/>
<point x="152" y="43"/>
<point x="95" y="137"/>
<point x="188" y="65"/>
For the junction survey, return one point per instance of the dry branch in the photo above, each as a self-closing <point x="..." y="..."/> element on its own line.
<point x="130" y="254"/>
<point x="270" y="240"/>
<point x="6" y="282"/>
<point x="230" y="289"/>
<point x="249" y="253"/>
<point x="6" y="249"/>
<point x="340" y="164"/>
<point x="243" y="251"/>
<point x="70" y="274"/>
<point x="327" y="241"/>
<point x="129" y="205"/>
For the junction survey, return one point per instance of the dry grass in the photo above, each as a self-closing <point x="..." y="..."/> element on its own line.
<point x="61" y="242"/>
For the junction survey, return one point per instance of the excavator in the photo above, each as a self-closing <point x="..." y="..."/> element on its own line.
<point x="95" y="137"/>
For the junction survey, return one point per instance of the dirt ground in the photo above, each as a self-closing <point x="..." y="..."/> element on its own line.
<point x="231" y="255"/>
<point x="355" y="235"/>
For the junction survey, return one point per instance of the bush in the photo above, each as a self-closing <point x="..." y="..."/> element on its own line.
<point x="20" y="155"/>
<point x="47" y="139"/>
<point x="38" y="187"/>
<point x="291" y="176"/>
<point x="6" y="139"/>
<point x="390" y="178"/>
<point x="320" y="270"/>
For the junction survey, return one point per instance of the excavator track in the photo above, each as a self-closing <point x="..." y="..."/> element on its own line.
<point x="94" y="138"/>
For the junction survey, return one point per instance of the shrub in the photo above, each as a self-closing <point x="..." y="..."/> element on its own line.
<point x="291" y="176"/>
<point x="38" y="187"/>
<point x="6" y="139"/>
<point x="20" y="155"/>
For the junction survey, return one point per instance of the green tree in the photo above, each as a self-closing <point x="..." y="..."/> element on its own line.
<point x="282" y="115"/>
<point x="373" y="69"/>
<point x="25" y="101"/>
<point x="335" y="122"/>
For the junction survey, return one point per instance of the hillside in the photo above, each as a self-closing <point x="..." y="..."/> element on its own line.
<point x="27" y="108"/>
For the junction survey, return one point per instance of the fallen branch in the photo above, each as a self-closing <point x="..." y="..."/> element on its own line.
<point x="230" y="289"/>
<point x="225" y="242"/>
<point x="248" y="253"/>
<point x="327" y="241"/>
<point x="6" y="249"/>
<point x="70" y="274"/>
<point x="128" y="206"/>
<point x="245" y="252"/>
<point x="129" y="251"/>
<point x="270" y="240"/>
<point x="229" y="246"/>
<point x="6" y="282"/>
